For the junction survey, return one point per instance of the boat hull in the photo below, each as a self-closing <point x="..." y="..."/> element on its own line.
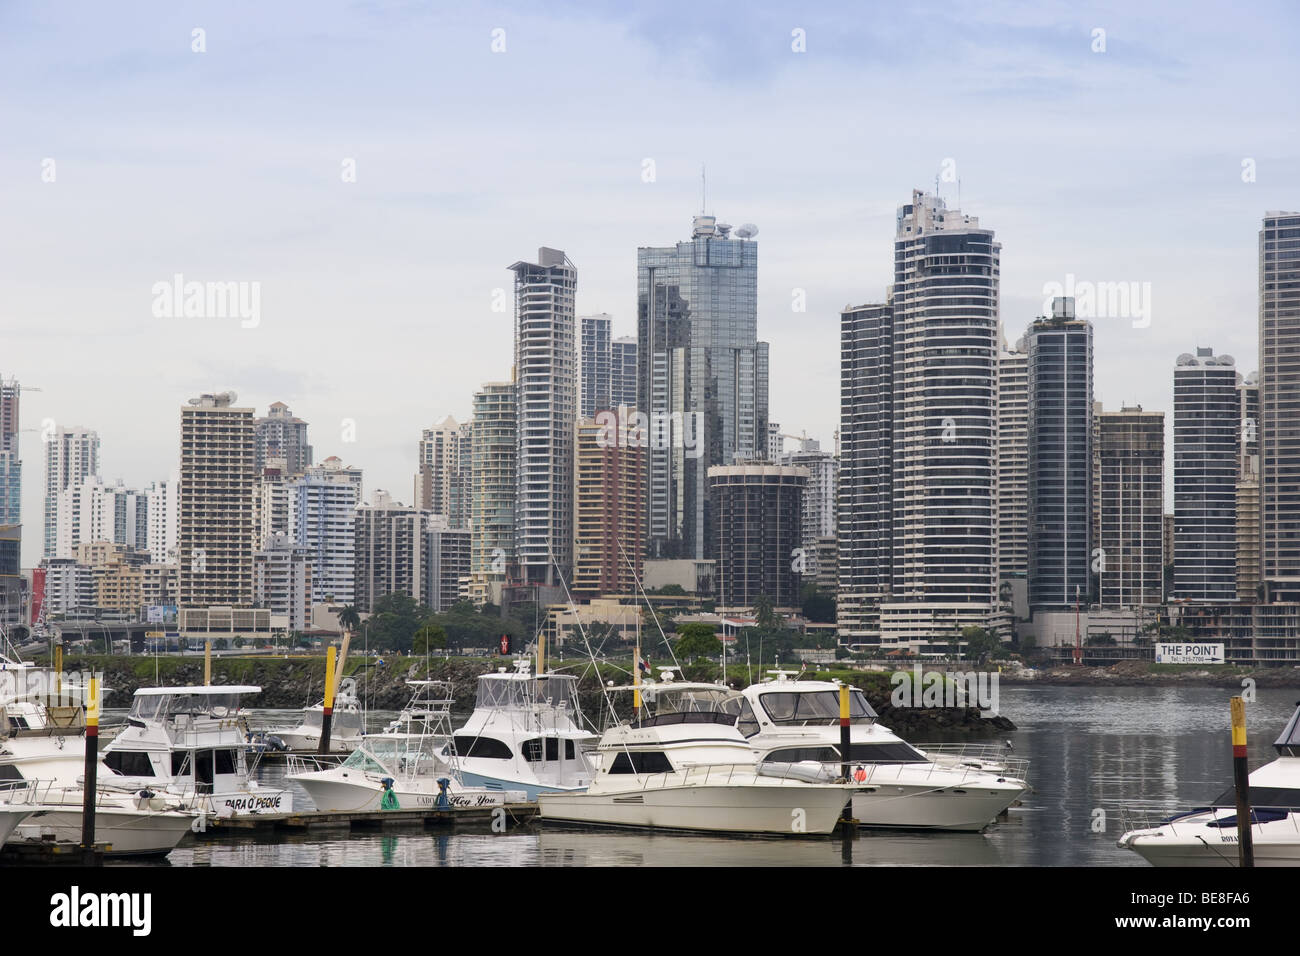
<point x="529" y="790"/>
<point x="357" y="793"/>
<point x="128" y="833"/>
<point x="718" y="808"/>
<point x="11" y="818"/>
<point x="1192" y="843"/>
<point x="968" y="808"/>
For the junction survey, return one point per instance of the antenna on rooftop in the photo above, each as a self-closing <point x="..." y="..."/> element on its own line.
<point x="704" y="191"/>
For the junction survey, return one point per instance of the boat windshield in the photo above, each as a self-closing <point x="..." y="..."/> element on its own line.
<point x="156" y="706"/>
<point x="814" y="707"/>
<point x="519" y="692"/>
<point x="396" y="755"/>
<point x="696" y="700"/>
<point x="1288" y="745"/>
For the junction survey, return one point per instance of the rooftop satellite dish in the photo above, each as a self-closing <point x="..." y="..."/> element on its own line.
<point x="747" y="230"/>
<point x="1187" y="358"/>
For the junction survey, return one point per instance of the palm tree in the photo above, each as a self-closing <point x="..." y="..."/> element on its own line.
<point x="349" y="619"/>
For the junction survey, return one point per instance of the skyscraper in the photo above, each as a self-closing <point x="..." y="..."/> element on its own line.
<point x="1131" y="460"/>
<point x="1248" y="543"/>
<point x="281" y="435"/>
<point x="1013" y="465"/>
<point x="546" y="385"/>
<point x="622" y="372"/>
<point x="609" y="503"/>
<point x="71" y="454"/>
<point x="758" y="526"/>
<point x="1279" y="404"/>
<point x="1207" y="424"/>
<point x="322" y="514"/>
<point x="945" y="337"/>
<point x="164" y="519"/>
<point x="819" y="497"/>
<point x="438" y="460"/>
<point x="1060" y="432"/>
<point x="865" y="522"/>
<point x="11" y="466"/>
<point x="217" y="532"/>
<point x="597" y="364"/>
<point x="701" y="375"/>
<point x="390" y="551"/>
<point x="492" y="537"/>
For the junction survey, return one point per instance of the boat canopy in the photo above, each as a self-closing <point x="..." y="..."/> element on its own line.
<point x="693" y="698"/>
<point x="798" y="707"/>
<point x="156" y="703"/>
<point x="199" y="690"/>
<point x="1288" y="745"/>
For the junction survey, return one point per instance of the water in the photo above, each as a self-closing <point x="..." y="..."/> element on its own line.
<point x="1090" y="749"/>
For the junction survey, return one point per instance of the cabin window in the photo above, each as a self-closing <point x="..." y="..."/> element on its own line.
<point x="639" y="761"/>
<point x="533" y="750"/>
<point x="129" y="763"/>
<point x="568" y="750"/>
<point x="898" y="752"/>
<point x="226" y="761"/>
<point x="814" y="707"/>
<point x="748" y="723"/>
<point x="489" y="747"/>
<point x="552" y="748"/>
<point x="8" y="772"/>
<point x="1272" y="797"/>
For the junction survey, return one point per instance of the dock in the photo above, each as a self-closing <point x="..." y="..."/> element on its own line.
<point x="515" y="815"/>
<point x="50" y="853"/>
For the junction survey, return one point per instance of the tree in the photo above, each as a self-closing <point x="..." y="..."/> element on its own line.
<point x="349" y="619"/>
<point x="764" y="614"/>
<point x="817" y="606"/>
<point x="980" y="644"/>
<point x="396" y="618"/>
<point x="672" y="590"/>
<point x="430" y="635"/>
<point x="696" y="640"/>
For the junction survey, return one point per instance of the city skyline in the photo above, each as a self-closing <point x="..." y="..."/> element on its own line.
<point x="383" y="282"/>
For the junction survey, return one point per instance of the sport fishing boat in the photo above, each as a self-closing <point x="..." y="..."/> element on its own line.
<point x="42" y="764"/>
<point x="190" y="742"/>
<point x="525" y="734"/>
<point x="796" y="723"/>
<point x="410" y="764"/>
<point x="347" y="725"/>
<point x="687" y="767"/>
<point x="1207" y="836"/>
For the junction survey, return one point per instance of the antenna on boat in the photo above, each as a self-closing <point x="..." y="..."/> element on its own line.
<point x="577" y="619"/>
<point x="636" y="578"/>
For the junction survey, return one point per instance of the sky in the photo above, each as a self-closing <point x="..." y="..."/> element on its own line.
<point x="375" y="167"/>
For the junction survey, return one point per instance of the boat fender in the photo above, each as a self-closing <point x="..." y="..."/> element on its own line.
<point x="443" y="803"/>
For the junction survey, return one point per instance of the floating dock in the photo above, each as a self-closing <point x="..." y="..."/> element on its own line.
<point x="510" y="816"/>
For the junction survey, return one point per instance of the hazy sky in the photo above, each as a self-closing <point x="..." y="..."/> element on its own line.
<point x="376" y="295"/>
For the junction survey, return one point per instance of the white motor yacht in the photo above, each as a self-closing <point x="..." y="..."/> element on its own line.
<point x="687" y="767"/>
<point x="412" y="757"/>
<point x="525" y="734"/>
<point x="790" y="721"/>
<point x="190" y="742"/>
<point x="347" y="725"/>
<point x="1207" y="836"/>
<point x="15" y="806"/>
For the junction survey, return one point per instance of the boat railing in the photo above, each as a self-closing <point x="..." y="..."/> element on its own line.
<point x="982" y="757"/>
<point x="20" y="792"/>
<point x="1137" y="817"/>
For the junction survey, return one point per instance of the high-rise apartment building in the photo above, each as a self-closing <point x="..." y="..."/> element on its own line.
<point x="701" y="375"/>
<point x="322" y="514"/>
<point x="1249" y="579"/>
<point x="71" y="455"/>
<point x="1013" y="464"/>
<point x="546" y="386"/>
<point x="1279" y="405"/>
<point x="865" y="497"/>
<point x="622" y="372"/>
<point x="819" y="497"/>
<point x="596" y="367"/>
<point x="11" y="467"/>
<point x="945" y="365"/>
<point x="390" y="551"/>
<point x="437" y="457"/>
<point x="281" y="435"/>
<point x="1060" y="432"/>
<point x="282" y="580"/>
<point x="1207" y="433"/>
<point x="609" y="504"/>
<point x="446" y="562"/>
<point x="1130" y="507"/>
<point x="96" y="510"/>
<point x="758" y="523"/>
<point x="163" y="532"/>
<point x="217" y="480"/>
<point x="492" y="540"/>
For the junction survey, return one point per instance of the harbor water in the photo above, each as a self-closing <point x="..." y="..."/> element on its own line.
<point x="1092" y="752"/>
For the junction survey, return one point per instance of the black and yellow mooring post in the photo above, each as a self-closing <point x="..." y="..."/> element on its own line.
<point x="328" y="714"/>
<point x="92" y="763"/>
<point x="207" y="662"/>
<point x="845" y="752"/>
<point x="1241" y="780"/>
<point x="58" y="672"/>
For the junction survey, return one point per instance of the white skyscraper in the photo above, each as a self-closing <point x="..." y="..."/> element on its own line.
<point x="71" y="454"/>
<point x="322" y="512"/>
<point x="164" y="519"/>
<point x="546" y="386"/>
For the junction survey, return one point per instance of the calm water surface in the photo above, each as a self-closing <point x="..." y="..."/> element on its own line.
<point x="1089" y="748"/>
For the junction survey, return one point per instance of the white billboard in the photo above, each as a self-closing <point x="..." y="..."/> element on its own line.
<point x="1189" y="653"/>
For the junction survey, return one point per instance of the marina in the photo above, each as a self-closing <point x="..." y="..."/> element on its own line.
<point x="1092" y="749"/>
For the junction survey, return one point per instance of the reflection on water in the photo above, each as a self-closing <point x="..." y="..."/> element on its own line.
<point x="1090" y="749"/>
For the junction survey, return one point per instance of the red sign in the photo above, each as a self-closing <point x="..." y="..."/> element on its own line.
<point x="505" y="643"/>
<point x="38" y="593"/>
